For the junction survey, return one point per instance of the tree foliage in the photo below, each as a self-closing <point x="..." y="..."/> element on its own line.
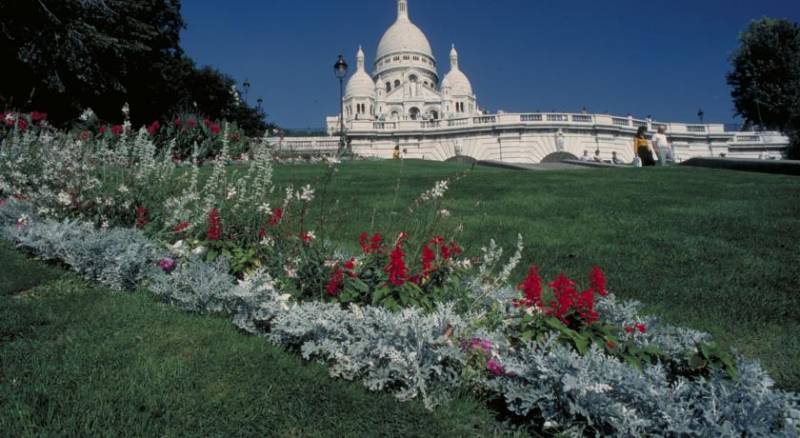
<point x="765" y="79"/>
<point x="62" y="56"/>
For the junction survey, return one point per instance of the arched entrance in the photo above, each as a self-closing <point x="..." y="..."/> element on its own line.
<point x="557" y="157"/>
<point x="413" y="113"/>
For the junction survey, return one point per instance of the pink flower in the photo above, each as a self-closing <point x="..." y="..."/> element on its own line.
<point x="478" y="344"/>
<point x="154" y="128"/>
<point x="167" y="264"/>
<point x="495" y="367"/>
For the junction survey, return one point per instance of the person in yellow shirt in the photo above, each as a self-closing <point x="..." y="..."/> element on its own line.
<point x="642" y="148"/>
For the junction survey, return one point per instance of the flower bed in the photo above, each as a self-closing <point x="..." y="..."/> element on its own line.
<point x="409" y="314"/>
<point x="414" y="353"/>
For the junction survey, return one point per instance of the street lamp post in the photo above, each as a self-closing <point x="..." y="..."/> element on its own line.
<point x="259" y="101"/>
<point x="340" y="69"/>
<point x="701" y="115"/>
<point x="246" y="86"/>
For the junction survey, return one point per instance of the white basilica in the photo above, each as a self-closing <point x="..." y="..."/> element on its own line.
<point x="404" y="84"/>
<point x="403" y="104"/>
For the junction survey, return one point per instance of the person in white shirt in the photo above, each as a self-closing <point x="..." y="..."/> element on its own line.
<point x="662" y="146"/>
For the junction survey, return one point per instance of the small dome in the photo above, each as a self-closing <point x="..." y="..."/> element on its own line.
<point x="360" y="84"/>
<point x="456" y="80"/>
<point x="404" y="36"/>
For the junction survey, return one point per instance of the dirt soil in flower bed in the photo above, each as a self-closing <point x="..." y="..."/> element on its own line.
<point x="80" y="360"/>
<point x="713" y="250"/>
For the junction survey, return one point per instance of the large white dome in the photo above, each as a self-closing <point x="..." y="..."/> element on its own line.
<point x="404" y="37"/>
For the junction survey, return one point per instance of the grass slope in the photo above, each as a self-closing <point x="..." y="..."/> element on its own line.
<point x="715" y="250"/>
<point x="79" y="360"/>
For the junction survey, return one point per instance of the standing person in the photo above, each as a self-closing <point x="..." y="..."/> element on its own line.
<point x="641" y="147"/>
<point x="396" y="153"/>
<point x="662" y="147"/>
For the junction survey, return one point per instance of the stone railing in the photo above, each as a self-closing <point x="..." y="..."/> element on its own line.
<point x="551" y="120"/>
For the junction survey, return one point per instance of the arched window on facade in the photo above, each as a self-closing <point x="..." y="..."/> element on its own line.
<point x="388" y="87"/>
<point x="396" y="83"/>
<point x="413" y="113"/>
<point x="412" y="78"/>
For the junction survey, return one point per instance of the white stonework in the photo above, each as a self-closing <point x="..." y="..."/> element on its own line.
<point x="402" y="103"/>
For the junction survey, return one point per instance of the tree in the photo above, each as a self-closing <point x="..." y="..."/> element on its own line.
<point x="62" y="56"/>
<point x="765" y="79"/>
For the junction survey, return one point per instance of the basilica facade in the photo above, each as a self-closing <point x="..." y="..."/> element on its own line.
<point x="404" y="83"/>
<point x="402" y="104"/>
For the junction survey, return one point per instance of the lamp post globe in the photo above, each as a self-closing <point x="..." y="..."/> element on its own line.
<point x="246" y="86"/>
<point x="340" y="70"/>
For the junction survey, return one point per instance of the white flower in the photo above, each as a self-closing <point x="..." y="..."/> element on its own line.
<point x="290" y="272"/>
<point x="123" y="189"/>
<point x="87" y="115"/>
<point x="200" y="250"/>
<point x="126" y="127"/>
<point x="10" y="117"/>
<point x="104" y="223"/>
<point x="306" y="194"/>
<point x="437" y="192"/>
<point x="23" y="220"/>
<point x="310" y="236"/>
<point x="126" y="110"/>
<point x="231" y="194"/>
<point x="64" y="199"/>
<point x="264" y="208"/>
<point x="550" y="424"/>
<point x="444" y="213"/>
<point x="267" y="241"/>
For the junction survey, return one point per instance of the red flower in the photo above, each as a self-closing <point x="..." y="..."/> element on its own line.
<point x="36" y="116"/>
<point x="275" y="217"/>
<point x="102" y="130"/>
<point x="372" y="245"/>
<point x="531" y="286"/>
<point x="142" y="217"/>
<point x="629" y="330"/>
<point x="22" y="124"/>
<point x="306" y="237"/>
<point x="262" y="233"/>
<point x="191" y="122"/>
<point x="207" y="122"/>
<point x="214" y="225"/>
<point x="350" y="267"/>
<point x="565" y="297"/>
<point x="455" y="249"/>
<point x="181" y="227"/>
<point x="336" y="282"/>
<point x="437" y="240"/>
<point x="84" y="135"/>
<point x="397" y="266"/>
<point x="597" y="280"/>
<point x="642" y="328"/>
<point x="428" y="257"/>
<point x="117" y="130"/>
<point x="178" y="121"/>
<point x="154" y="128"/>
<point x="215" y="128"/>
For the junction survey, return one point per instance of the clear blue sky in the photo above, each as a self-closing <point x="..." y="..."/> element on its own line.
<point x="661" y="57"/>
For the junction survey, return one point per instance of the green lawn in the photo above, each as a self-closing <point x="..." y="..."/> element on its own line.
<point x="80" y="360"/>
<point x="714" y="250"/>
